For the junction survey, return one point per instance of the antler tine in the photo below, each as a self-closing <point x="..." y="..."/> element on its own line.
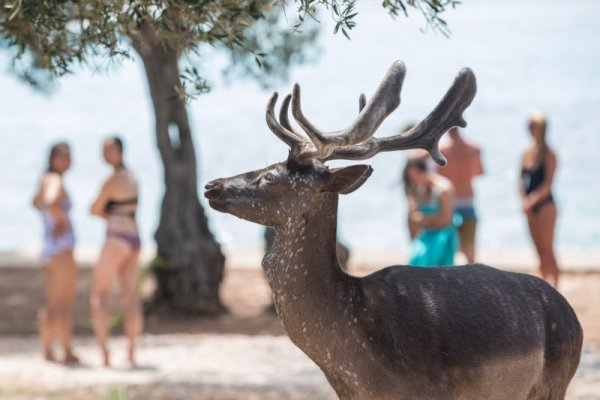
<point x="302" y="151"/>
<point x="284" y="119"/>
<point x="385" y="100"/>
<point x="427" y="133"/>
<point x="362" y="101"/>
<point x="289" y="137"/>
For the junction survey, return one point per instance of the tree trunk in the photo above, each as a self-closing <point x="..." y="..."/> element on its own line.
<point x="189" y="267"/>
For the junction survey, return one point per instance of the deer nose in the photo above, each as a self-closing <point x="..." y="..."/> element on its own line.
<point x="214" y="190"/>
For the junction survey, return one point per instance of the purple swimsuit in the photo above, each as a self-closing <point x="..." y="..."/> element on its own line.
<point x="57" y="244"/>
<point x="113" y="208"/>
<point x="132" y="239"/>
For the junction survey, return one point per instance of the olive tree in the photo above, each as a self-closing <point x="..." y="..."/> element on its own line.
<point x="47" y="38"/>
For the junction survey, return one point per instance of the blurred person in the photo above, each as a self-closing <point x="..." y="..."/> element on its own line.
<point x="119" y="259"/>
<point x="464" y="164"/>
<point x="431" y="226"/>
<point x="538" y="167"/>
<point x="60" y="270"/>
<point x="412" y="154"/>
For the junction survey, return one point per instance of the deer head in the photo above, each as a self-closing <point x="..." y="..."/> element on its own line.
<point x="296" y="187"/>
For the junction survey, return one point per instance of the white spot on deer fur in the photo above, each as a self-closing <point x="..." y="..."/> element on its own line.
<point x="431" y="305"/>
<point x="402" y="290"/>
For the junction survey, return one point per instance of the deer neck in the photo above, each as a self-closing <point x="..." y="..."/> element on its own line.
<point x="317" y="303"/>
<point x="302" y="264"/>
<point x="304" y="248"/>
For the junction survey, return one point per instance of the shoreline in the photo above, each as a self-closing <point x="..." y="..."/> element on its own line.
<point x="570" y="261"/>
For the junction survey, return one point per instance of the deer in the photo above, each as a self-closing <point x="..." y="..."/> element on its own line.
<point x="402" y="332"/>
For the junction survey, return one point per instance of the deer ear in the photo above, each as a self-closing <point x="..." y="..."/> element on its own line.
<point x="347" y="180"/>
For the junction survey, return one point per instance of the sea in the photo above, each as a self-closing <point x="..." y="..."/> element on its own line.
<point x="527" y="55"/>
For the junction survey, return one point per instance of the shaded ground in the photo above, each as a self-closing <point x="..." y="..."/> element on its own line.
<point x="243" y="355"/>
<point x="244" y="292"/>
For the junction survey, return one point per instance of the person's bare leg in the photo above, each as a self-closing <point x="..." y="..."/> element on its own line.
<point x="113" y="255"/>
<point x="65" y="294"/>
<point x="134" y="319"/>
<point x="45" y="324"/>
<point x="467" y="240"/>
<point x="468" y="249"/>
<point x="542" y="231"/>
<point x="546" y="220"/>
<point x="45" y="333"/>
<point x="534" y="230"/>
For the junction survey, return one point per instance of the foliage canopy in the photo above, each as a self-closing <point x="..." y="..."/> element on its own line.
<point x="48" y="37"/>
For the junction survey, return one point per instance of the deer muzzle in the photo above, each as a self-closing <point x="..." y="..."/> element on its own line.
<point x="214" y="189"/>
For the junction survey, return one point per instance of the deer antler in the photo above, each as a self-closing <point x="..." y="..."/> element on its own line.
<point x="427" y="133"/>
<point x="301" y="150"/>
<point x="356" y="142"/>
<point x="362" y="102"/>
<point x="283" y="117"/>
<point x="385" y="100"/>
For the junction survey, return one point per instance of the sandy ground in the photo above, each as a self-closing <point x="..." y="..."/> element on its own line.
<point x="195" y="366"/>
<point x="242" y="355"/>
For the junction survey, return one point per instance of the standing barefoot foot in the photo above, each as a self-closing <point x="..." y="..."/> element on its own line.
<point x="71" y="358"/>
<point x="106" y="358"/>
<point x="49" y="356"/>
<point x="131" y="356"/>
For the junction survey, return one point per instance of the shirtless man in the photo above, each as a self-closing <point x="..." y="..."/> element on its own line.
<point x="464" y="164"/>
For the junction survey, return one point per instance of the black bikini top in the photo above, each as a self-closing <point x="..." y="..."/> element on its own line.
<point x="113" y="205"/>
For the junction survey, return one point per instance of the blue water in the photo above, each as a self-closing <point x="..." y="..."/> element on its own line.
<point x="526" y="55"/>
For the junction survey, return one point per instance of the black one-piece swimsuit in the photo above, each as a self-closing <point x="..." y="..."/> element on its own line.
<point x="532" y="179"/>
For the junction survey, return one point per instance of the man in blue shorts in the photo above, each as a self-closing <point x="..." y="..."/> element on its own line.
<point x="464" y="164"/>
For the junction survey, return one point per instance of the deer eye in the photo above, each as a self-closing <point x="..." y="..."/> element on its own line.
<point x="269" y="178"/>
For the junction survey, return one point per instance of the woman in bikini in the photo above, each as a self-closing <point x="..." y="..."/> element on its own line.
<point x="57" y="255"/>
<point x="117" y="204"/>
<point x="535" y="186"/>
<point x="430" y="215"/>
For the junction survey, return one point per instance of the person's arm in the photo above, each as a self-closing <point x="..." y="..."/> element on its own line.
<point x="545" y="189"/>
<point x="99" y="205"/>
<point x="520" y="181"/>
<point x="50" y="198"/>
<point x="444" y="216"/>
<point x="413" y="211"/>
<point x="478" y="164"/>
<point x="37" y="198"/>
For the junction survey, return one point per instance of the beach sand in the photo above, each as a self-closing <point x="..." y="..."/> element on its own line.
<point x="241" y="355"/>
